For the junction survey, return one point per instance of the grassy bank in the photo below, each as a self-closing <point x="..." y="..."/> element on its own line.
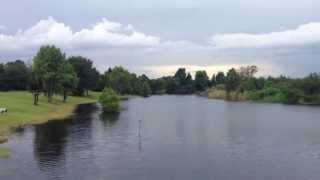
<point x="21" y="111"/>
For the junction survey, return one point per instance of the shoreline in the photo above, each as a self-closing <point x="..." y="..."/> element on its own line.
<point x="22" y="112"/>
<point x="243" y="97"/>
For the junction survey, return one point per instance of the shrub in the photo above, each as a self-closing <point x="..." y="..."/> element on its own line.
<point x="220" y="87"/>
<point x="254" y="95"/>
<point x="110" y="100"/>
<point x="291" y="95"/>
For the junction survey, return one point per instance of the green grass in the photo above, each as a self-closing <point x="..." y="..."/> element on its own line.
<point x="5" y="152"/>
<point x="21" y="110"/>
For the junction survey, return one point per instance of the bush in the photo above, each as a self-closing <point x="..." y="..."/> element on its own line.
<point x="254" y="95"/>
<point x="311" y="99"/>
<point x="268" y="94"/>
<point x="110" y="100"/>
<point x="291" y="95"/>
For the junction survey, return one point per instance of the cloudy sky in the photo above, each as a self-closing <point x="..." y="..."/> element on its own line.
<point x="158" y="36"/>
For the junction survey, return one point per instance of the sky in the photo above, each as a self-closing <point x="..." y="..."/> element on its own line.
<point x="156" y="37"/>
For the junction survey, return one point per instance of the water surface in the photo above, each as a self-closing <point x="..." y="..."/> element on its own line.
<point x="171" y="137"/>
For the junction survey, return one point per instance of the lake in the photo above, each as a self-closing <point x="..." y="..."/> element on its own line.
<point x="171" y="138"/>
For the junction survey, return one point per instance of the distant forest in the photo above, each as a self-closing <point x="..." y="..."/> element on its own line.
<point x="52" y="73"/>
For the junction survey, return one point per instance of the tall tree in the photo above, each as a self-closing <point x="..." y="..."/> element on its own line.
<point x="201" y="80"/>
<point x="119" y="79"/>
<point x="213" y="81"/>
<point x="47" y="66"/>
<point x="181" y="76"/>
<point x="69" y="79"/>
<point x="14" y="76"/>
<point x="158" y="86"/>
<point x="87" y="74"/>
<point x="220" y="78"/>
<point x="232" y="80"/>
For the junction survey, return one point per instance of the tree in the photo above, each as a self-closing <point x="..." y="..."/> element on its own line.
<point x="248" y="71"/>
<point x="47" y="66"/>
<point x="232" y="80"/>
<point x="87" y="74"/>
<point x="189" y="84"/>
<point x="110" y="100"/>
<point x="119" y="79"/>
<point x="172" y="84"/>
<point x="180" y="83"/>
<point x="146" y="91"/>
<point x="201" y="80"/>
<point x="69" y="79"/>
<point x="1" y="68"/>
<point x="14" y="76"/>
<point x="213" y="81"/>
<point x="220" y="78"/>
<point x="144" y="78"/>
<point x="291" y="95"/>
<point x="311" y="84"/>
<point x="158" y="86"/>
<point x="181" y="76"/>
<point x="189" y="79"/>
<point x="35" y="86"/>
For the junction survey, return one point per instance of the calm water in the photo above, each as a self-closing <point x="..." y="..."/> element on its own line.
<point x="171" y="137"/>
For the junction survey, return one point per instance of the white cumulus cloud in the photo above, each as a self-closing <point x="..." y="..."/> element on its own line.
<point x="303" y="35"/>
<point x="103" y="34"/>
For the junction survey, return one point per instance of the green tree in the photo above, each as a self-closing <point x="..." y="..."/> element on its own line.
<point x="144" y="78"/>
<point x="291" y="95"/>
<point x="201" y="80"/>
<point x="172" y="84"/>
<point x="158" y="86"/>
<point x="1" y="68"/>
<point x="220" y="78"/>
<point x="213" y="81"/>
<point x="119" y="79"/>
<point x="110" y="100"/>
<point x="180" y="83"/>
<point x="181" y="76"/>
<point x="14" y="76"/>
<point x="69" y="79"/>
<point x="146" y="91"/>
<point x="87" y="74"/>
<point x="35" y="86"/>
<point x="232" y="80"/>
<point x="47" y="66"/>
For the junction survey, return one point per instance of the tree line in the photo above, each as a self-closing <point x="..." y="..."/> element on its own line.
<point x="52" y="73"/>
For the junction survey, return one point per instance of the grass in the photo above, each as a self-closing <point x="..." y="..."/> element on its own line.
<point x="214" y="93"/>
<point x="21" y="110"/>
<point x="5" y="152"/>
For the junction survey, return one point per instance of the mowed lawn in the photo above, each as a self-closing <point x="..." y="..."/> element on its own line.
<point x="22" y="111"/>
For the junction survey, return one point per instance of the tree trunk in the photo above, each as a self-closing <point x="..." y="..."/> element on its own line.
<point x="35" y="98"/>
<point x="64" y="95"/>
